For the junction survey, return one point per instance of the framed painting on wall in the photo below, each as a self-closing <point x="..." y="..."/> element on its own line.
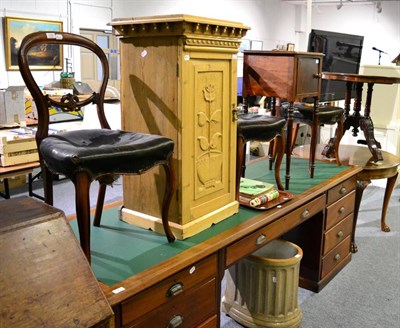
<point x="46" y="57"/>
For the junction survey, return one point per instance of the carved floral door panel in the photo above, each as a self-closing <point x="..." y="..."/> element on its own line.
<point x="209" y="133"/>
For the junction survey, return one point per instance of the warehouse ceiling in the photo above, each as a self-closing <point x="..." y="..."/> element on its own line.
<point x="340" y="3"/>
<point x="336" y="2"/>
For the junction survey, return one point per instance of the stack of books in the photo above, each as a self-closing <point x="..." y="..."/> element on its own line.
<point x="256" y="193"/>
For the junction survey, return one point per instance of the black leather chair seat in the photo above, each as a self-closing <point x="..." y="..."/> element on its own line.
<point x="259" y="127"/>
<point x="326" y="114"/>
<point x="103" y="152"/>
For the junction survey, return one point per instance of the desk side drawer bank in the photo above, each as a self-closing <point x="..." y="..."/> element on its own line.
<point x="184" y="291"/>
<point x="170" y="303"/>
<point x="325" y="239"/>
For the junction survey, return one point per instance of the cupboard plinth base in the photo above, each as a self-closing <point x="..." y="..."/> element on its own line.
<point x="181" y="231"/>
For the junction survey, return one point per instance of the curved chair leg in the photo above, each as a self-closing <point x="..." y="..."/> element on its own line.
<point x="315" y="130"/>
<point x="169" y="192"/>
<point x="294" y="136"/>
<point x="280" y="144"/>
<point x="82" y="199"/>
<point x="240" y="162"/>
<point x="271" y="153"/>
<point x="339" y="134"/>
<point x="47" y="185"/>
<point x="313" y="148"/>
<point x="99" y="205"/>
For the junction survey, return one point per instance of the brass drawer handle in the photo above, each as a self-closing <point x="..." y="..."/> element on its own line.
<point x="175" y="321"/>
<point x="260" y="239"/>
<point x="305" y="214"/>
<point x="342" y="190"/>
<point x="337" y="257"/>
<point x="175" y="289"/>
<point x="340" y="233"/>
<point x="341" y="210"/>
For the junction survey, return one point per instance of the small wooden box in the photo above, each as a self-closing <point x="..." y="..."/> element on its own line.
<point x="45" y="278"/>
<point x="18" y="151"/>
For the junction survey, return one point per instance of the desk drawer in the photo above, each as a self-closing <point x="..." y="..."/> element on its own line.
<point x="341" y="190"/>
<point x="334" y="257"/>
<point x="338" y="233"/>
<point x="251" y="243"/>
<point x="189" y="310"/>
<point x="340" y="209"/>
<point x="169" y="289"/>
<point x="210" y="322"/>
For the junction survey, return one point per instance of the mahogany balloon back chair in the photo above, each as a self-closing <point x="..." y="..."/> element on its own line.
<point x="91" y="154"/>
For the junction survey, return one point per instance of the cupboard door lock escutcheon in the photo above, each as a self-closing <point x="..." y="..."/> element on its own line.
<point x="234" y="113"/>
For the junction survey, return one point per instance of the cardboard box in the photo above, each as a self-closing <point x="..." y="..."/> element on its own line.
<point x="30" y="108"/>
<point x="12" y="106"/>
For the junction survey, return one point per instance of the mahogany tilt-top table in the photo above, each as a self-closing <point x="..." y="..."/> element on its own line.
<point x="356" y="120"/>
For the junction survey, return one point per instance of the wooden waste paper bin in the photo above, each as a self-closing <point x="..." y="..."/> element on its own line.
<point x="262" y="289"/>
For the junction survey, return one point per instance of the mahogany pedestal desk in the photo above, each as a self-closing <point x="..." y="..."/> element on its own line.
<point x="356" y="120"/>
<point x="45" y="279"/>
<point x="360" y="156"/>
<point x="178" y="79"/>
<point x="286" y="75"/>
<point x="185" y="287"/>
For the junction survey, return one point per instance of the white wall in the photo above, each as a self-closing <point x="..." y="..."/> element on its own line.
<point x="257" y="14"/>
<point x="271" y="21"/>
<point x="380" y="30"/>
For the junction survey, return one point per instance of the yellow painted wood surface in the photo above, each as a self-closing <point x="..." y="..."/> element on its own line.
<point x="178" y="79"/>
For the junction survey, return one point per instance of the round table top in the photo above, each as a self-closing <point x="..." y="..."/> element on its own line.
<point x="359" y="78"/>
<point x="357" y="155"/>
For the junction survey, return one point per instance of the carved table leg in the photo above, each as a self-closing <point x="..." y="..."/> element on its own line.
<point x="361" y="185"/>
<point x="388" y="192"/>
<point x="374" y="146"/>
<point x="331" y="149"/>
<point x="367" y="127"/>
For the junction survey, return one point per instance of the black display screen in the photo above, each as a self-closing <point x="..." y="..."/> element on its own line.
<point x="342" y="55"/>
